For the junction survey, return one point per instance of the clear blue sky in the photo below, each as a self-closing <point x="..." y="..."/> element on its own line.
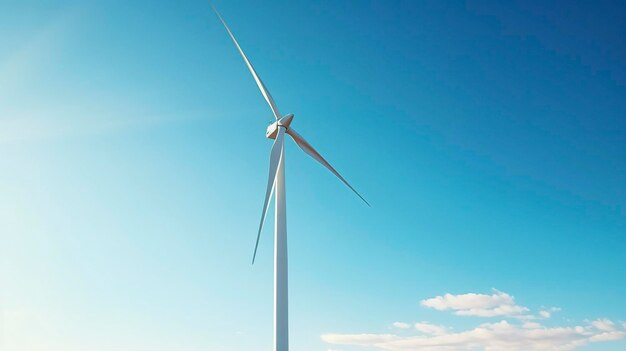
<point x="490" y="139"/>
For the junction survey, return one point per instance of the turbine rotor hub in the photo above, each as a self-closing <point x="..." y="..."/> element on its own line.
<point x="284" y="122"/>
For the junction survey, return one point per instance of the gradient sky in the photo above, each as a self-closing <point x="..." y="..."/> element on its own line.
<point x="489" y="138"/>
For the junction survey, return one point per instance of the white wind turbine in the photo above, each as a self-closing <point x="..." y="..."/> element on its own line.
<point x="276" y="184"/>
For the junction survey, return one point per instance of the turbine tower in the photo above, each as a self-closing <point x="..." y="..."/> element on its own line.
<point x="276" y="185"/>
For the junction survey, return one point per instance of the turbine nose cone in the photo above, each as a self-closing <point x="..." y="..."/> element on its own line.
<point x="286" y="121"/>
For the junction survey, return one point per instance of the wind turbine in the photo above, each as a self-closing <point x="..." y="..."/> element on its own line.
<point x="276" y="185"/>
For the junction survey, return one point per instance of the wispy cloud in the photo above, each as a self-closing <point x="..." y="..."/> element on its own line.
<point x="428" y="328"/>
<point x="401" y="325"/>
<point x="42" y="45"/>
<point x="509" y="334"/>
<point x="32" y="107"/>
<point x="547" y="313"/>
<point x="604" y="325"/>
<point x="87" y="116"/>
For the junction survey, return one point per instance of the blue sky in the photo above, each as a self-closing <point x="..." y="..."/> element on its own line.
<point x="490" y="139"/>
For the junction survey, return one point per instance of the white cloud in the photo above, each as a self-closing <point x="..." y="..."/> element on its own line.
<point x="547" y="313"/>
<point x="479" y="305"/>
<point x="604" y="325"/>
<point x="515" y="334"/>
<point x="432" y="329"/>
<point x="468" y="301"/>
<point x="531" y="325"/>
<point x="501" y="336"/>
<point x="401" y="325"/>
<point x="609" y="336"/>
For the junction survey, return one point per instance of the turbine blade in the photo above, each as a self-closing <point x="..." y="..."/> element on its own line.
<point x="275" y="155"/>
<point x="257" y="79"/>
<point x="306" y="147"/>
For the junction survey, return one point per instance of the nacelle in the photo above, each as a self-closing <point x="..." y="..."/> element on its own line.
<point x="272" y="129"/>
